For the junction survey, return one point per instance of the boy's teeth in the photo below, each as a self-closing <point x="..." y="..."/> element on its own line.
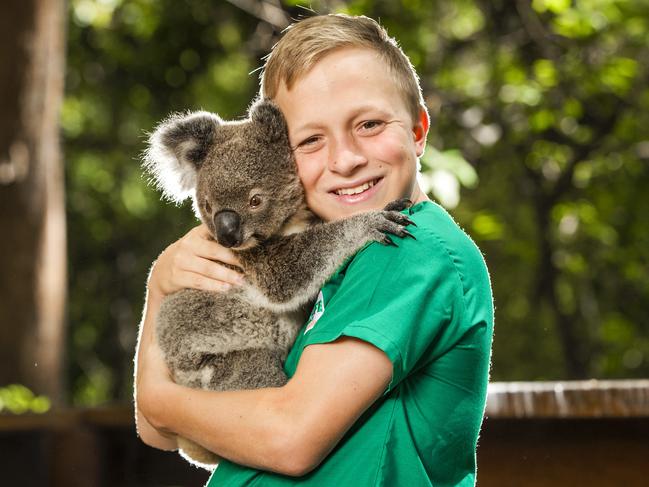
<point x="356" y="190"/>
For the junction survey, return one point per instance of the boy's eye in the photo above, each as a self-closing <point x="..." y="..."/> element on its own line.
<point x="309" y="144"/>
<point x="371" y="124"/>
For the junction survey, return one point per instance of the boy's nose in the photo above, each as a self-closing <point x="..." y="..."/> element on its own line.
<point x="345" y="158"/>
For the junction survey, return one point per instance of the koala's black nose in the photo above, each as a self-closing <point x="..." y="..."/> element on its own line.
<point x="228" y="228"/>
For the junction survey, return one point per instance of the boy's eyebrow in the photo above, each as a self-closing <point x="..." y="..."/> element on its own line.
<point x="366" y="108"/>
<point x="308" y="126"/>
<point x="313" y="125"/>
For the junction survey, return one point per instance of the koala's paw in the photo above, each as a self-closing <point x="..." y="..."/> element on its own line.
<point x="391" y="222"/>
<point x="398" y="205"/>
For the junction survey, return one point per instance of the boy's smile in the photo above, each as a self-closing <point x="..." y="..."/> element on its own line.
<point x="354" y="139"/>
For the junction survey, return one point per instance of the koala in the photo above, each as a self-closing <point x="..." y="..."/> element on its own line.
<point x="243" y="180"/>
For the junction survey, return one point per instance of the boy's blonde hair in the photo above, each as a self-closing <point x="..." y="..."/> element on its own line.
<point x="306" y="42"/>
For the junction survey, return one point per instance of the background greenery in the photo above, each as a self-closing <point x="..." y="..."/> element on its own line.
<point x="539" y="147"/>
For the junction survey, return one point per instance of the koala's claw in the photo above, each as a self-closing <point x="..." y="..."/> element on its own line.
<point x="388" y="241"/>
<point x="402" y="232"/>
<point x="398" y="205"/>
<point x="391" y="223"/>
<point x="398" y="218"/>
<point x="406" y="233"/>
<point x="406" y="221"/>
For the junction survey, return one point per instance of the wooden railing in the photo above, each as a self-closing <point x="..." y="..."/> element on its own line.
<point x="593" y="433"/>
<point x="573" y="433"/>
<point x="570" y="399"/>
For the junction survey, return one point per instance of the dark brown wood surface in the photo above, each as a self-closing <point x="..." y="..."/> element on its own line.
<point x="608" y="448"/>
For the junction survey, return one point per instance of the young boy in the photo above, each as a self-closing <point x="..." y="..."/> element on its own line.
<point x="388" y="380"/>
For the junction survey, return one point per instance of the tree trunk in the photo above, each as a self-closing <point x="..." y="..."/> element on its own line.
<point x="32" y="213"/>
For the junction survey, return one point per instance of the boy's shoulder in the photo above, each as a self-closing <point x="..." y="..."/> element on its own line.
<point x="435" y="234"/>
<point x="440" y="245"/>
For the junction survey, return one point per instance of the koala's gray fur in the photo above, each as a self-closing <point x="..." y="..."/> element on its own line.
<point x="244" y="182"/>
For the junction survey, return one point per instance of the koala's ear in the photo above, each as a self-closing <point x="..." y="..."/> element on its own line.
<point x="270" y="120"/>
<point x="177" y="149"/>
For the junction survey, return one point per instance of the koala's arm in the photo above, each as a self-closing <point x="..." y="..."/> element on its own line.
<point x="288" y="271"/>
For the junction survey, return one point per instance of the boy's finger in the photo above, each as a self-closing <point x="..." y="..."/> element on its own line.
<point x="199" y="281"/>
<point x="213" y="251"/>
<point x="201" y="230"/>
<point x="217" y="272"/>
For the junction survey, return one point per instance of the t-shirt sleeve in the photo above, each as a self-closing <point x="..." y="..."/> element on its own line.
<point x="407" y="301"/>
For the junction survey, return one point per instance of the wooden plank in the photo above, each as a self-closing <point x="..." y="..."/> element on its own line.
<point x="569" y="399"/>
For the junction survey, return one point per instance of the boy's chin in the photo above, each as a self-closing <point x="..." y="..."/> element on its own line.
<point x="340" y="212"/>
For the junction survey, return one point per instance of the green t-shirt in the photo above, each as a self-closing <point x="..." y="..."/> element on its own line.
<point x="428" y="305"/>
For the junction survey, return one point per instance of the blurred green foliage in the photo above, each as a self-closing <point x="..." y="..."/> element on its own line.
<point x="539" y="147"/>
<point x="18" y="399"/>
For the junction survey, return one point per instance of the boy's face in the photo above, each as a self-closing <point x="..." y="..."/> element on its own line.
<point x="354" y="139"/>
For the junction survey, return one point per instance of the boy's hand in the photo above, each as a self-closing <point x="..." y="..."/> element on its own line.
<point x="194" y="261"/>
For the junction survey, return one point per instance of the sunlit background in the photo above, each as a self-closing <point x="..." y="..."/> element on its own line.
<point x="539" y="148"/>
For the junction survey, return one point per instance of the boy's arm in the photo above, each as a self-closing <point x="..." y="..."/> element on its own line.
<point x="289" y="430"/>
<point x="148" y="433"/>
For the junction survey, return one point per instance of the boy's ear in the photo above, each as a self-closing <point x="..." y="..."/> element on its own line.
<point x="176" y="151"/>
<point x="420" y="130"/>
<point x="270" y="120"/>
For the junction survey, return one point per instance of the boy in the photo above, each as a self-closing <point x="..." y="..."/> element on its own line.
<point x="387" y="384"/>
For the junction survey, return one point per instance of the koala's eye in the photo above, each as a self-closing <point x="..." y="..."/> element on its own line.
<point x="255" y="201"/>
<point x="208" y="208"/>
